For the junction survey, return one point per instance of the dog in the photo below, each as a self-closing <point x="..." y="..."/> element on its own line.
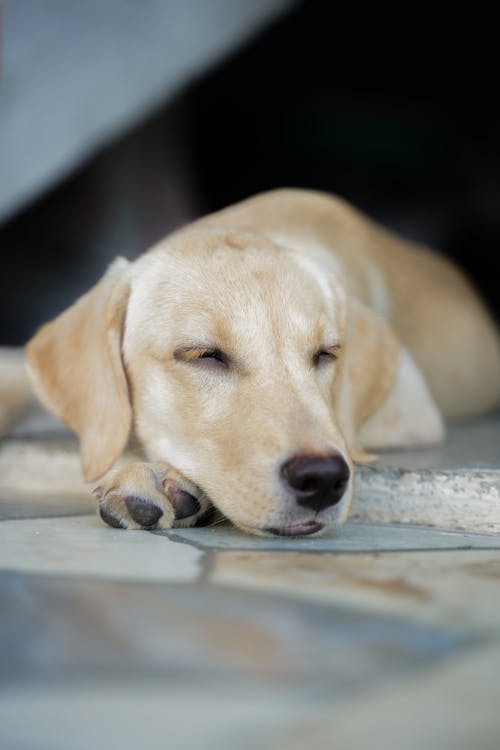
<point x="258" y="355"/>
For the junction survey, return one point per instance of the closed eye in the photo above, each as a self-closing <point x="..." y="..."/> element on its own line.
<point x="210" y="357"/>
<point x="326" y="355"/>
<point x="215" y="357"/>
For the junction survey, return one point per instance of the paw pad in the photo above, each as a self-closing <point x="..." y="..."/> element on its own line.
<point x="183" y="503"/>
<point x="144" y="512"/>
<point x="111" y="519"/>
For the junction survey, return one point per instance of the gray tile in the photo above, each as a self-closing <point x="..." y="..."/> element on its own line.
<point x="89" y="663"/>
<point x="455" y="589"/>
<point x="355" y="536"/>
<point x="19" y="506"/>
<point x="454" y="706"/>
<point x="43" y="475"/>
<point x="54" y="627"/>
<point x="84" y="546"/>
<point x="139" y="713"/>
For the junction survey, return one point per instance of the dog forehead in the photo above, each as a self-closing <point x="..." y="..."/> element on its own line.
<point x="227" y="290"/>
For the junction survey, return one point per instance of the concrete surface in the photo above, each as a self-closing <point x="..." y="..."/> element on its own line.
<point x="455" y="485"/>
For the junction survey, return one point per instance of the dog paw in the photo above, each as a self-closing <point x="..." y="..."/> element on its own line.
<point x="149" y="496"/>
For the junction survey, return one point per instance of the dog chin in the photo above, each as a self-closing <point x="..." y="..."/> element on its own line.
<point x="331" y="521"/>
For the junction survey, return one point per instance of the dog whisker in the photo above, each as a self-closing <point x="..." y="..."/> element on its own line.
<point x="219" y="520"/>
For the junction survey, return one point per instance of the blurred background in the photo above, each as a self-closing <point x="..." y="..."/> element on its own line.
<point x="121" y="120"/>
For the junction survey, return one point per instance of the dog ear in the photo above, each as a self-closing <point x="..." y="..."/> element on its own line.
<point x="368" y="368"/>
<point x="76" y="370"/>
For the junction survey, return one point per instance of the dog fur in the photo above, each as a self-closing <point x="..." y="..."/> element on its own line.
<point x="287" y="325"/>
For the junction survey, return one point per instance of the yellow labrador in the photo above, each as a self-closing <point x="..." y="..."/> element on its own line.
<point x="256" y="354"/>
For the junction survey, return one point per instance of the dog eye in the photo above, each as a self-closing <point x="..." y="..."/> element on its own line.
<point x="198" y="355"/>
<point x="324" y="356"/>
<point x="214" y="358"/>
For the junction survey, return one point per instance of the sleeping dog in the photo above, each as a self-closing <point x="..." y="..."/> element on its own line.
<point x="257" y="354"/>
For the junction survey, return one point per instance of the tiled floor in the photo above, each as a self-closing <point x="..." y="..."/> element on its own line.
<point x="384" y="636"/>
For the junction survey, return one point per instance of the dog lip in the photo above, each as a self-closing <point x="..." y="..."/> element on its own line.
<point x="299" y="529"/>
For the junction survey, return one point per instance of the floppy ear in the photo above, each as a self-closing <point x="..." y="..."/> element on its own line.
<point x="367" y="370"/>
<point x="77" y="372"/>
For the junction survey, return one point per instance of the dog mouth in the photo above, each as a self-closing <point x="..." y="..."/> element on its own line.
<point x="299" y="529"/>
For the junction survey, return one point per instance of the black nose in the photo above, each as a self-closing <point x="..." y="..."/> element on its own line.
<point x="317" y="481"/>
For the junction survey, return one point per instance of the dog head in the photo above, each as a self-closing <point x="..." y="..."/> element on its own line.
<point x="235" y="360"/>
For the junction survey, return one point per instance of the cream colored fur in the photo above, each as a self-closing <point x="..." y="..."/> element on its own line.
<point x="271" y="282"/>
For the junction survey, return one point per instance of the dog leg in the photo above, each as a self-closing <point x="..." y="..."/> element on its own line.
<point x="149" y="496"/>
<point x="408" y="417"/>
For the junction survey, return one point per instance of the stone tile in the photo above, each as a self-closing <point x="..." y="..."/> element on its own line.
<point x="42" y="469"/>
<point x="94" y="663"/>
<point x="136" y="713"/>
<point x="451" y="707"/>
<point x="355" y="536"/>
<point x="17" y="506"/>
<point x="37" y="467"/>
<point x="42" y="479"/>
<point x="454" y="590"/>
<point x="83" y="546"/>
<point x="53" y="627"/>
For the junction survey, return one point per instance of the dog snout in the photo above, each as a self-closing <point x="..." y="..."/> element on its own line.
<point x="317" y="481"/>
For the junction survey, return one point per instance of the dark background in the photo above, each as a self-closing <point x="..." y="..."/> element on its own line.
<point x="398" y="115"/>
